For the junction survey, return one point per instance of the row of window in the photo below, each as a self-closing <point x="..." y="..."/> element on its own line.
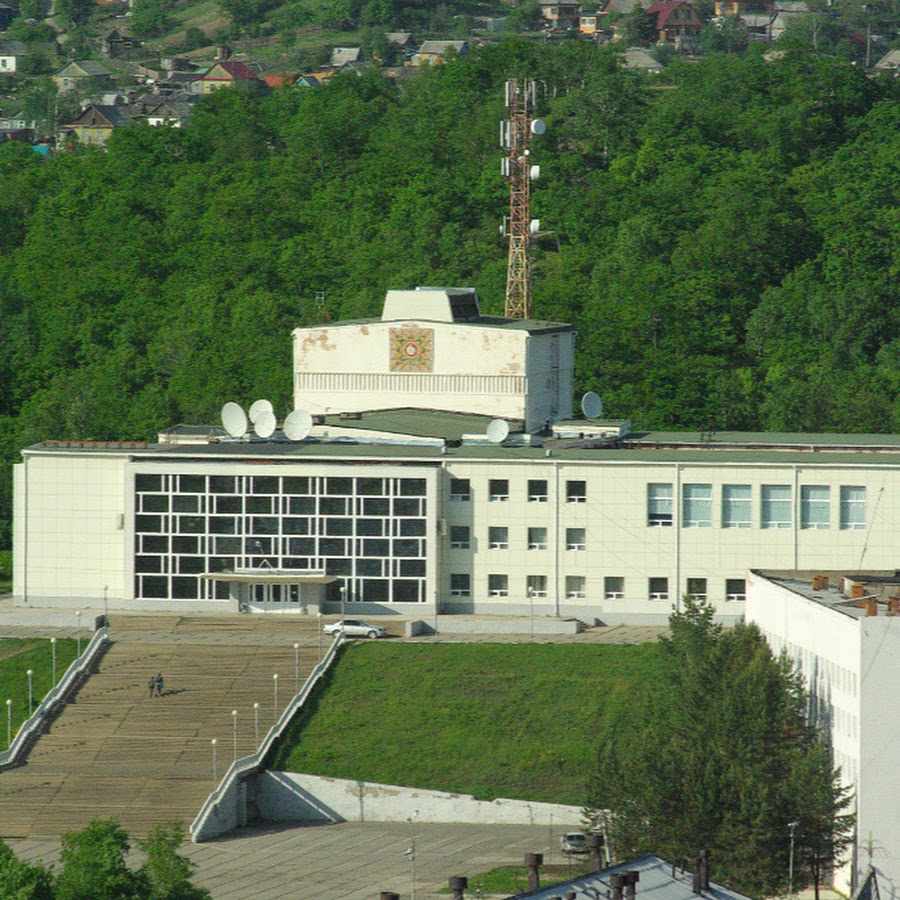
<point x="613" y="587"/>
<point x="498" y="538"/>
<point x="498" y="490"/>
<point x="776" y="506"/>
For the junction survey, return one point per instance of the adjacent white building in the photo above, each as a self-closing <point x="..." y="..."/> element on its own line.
<point x="842" y="632"/>
<point x="404" y="497"/>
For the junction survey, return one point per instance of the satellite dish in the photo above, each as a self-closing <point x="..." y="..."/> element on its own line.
<point x="497" y="431"/>
<point x="258" y="408"/>
<point x="297" y="425"/>
<point x="592" y="405"/>
<point x="234" y="420"/>
<point x="264" y="426"/>
<point x="538" y="126"/>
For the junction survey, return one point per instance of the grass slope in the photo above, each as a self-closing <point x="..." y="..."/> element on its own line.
<point x="17" y="656"/>
<point x="492" y="720"/>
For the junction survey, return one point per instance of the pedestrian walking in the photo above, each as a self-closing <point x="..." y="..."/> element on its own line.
<point x="152" y="685"/>
<point x="160" y="684"/>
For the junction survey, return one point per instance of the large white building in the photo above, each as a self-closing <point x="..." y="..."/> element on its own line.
<point x="398" y="498"/>
<point x="842" y="632"/>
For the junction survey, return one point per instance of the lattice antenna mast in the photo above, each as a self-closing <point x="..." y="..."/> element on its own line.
<point x="519" y="227"/>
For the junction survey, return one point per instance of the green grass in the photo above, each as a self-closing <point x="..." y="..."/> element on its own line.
<point x="510" y="880"/>
<point x="492" y="720"/>
<point x="6" y="563"/>
<point x="17" y="656"/>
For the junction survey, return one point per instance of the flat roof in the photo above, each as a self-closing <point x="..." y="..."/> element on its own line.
<point x="878" y="584"/>
<point x="532" y="326"/>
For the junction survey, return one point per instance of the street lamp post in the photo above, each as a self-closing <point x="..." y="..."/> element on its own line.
<point x="296" y="668"/>
<point x="343" y="600"/>
<point x="319" y="630"/>
<point x="234" y="718"/>
<point x="410" y="854"/>
<point x="30" y="674"/>
<point x="531" y="609"/>
<point x="792" y="826"/>
<point x="214" y="742"/>
<point x="78" y="628"/>
<point x="53" y="651"/>
<point x="275" y="687"/>
<point x="106" y="605"/>
<point x="256" y="722"/>
<point x="8" y="723"/>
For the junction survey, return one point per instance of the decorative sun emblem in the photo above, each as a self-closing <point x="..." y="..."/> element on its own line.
<point x="412" y="349"/>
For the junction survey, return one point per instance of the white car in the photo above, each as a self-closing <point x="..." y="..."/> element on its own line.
<point x="355" y="628"/>
<point x="574" y="842"/>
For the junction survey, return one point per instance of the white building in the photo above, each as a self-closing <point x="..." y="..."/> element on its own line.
<point x="842" y="631"/>
<point x="398" y="496"/>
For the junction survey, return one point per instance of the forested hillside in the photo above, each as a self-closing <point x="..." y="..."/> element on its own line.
<point x="726" y="241"/>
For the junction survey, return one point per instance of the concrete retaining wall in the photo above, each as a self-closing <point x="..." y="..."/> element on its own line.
<point x="289" y="797"/>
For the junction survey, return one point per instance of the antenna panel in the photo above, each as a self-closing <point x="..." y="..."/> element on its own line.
<point x="234" y="420"/>
<point x="264" y="426"/>
<point x="297" y="425"/>
<point x="498" y="431"/>
<point x="258" y="408"/>
<point x="592" y="405"/>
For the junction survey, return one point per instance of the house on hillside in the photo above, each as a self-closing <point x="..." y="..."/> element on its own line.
<point x="116" y="44"/>
<point x="83" y="74"/>
<point x="174" y="112"/>
<point x="677" y="23"/>
<point x="225" y="73"/>
<point x="432" y="52"/>
<point x="10" y="54"/>
<point x="94" y="125"/>
<point x="560" y="15"/>
<point x="639" y="59"/>
<point x="340" y="56"/>
<point x="749" y="10"/>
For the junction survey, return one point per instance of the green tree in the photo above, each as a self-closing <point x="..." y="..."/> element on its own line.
<point x="715" y="757"/>
<point x="638" y="28"/>
<point x="20" y="880"/>
<point x="94" y="867"/>
<point x="728" y="36"/>
<point x="167" y="872"/>
<point x="150" y="18"/>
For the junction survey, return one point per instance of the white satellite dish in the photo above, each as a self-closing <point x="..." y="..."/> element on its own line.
<point x="258" y="408"/>
<point x="538" y="126"/>
<point x="592" y="405"/>
<point x="234" y="420"/>
<point x="297" y="425"/>
<point x="264" y="426"/>
<point x="498" y="431"/>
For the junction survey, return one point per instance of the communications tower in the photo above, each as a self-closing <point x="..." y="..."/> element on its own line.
<point x="519" y="227"/>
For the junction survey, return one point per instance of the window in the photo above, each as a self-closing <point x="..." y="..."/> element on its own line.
<point x="574" y="587"/>
<point x="536" y="585"/>
<point x="498" y="537"/>
<point x="460" y="489"/>
<point x="576" y="492"/>
<point x="815" y="506"/>
<point x="498" y="489"/>
<point x="853" y="507"/>
<point x="696" y="587"/>
<point x="659" y="504"/>
<point x="459" y="537"/>
<point x="614" y="587"/>
<point x="575" y="539"/>
<point x="776" y="506"/>
<point x="696" y="505"/>
<point x="735" y="505"/>
<point x="537" y="491"/>
<point x="498" y="585"/>
<point x="735" y="589"/>
<point x="658" y="588"/>
<point x="460" y="584"/>
<point x="537" y="538"/>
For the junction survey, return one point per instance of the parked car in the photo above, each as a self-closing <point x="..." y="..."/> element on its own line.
<point x="573" y="842"/>
<point x="355" y="628"/>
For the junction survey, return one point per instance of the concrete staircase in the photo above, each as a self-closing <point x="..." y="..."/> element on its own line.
<point x="115" y="752"/>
